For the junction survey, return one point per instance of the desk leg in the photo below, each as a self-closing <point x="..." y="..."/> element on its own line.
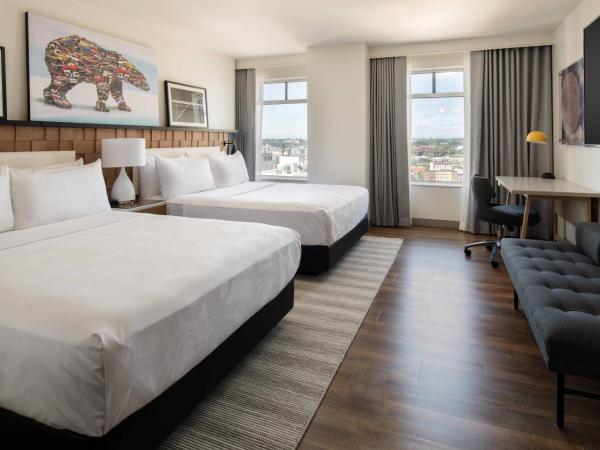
<point x="526" y="217"/>
<point x="588" y="213"/>
<point x="508" y="197"/>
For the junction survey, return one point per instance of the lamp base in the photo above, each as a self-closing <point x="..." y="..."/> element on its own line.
<point x="548" y="176"/>
<point x="123" y="191"/>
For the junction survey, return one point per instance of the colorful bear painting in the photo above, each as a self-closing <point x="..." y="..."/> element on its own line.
<point x="82" y="76"/>
<point x="73" y="59"/>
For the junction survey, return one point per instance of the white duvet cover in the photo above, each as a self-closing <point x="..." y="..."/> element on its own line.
<point x="321" y="213"/>
<point x="99" y="315"/>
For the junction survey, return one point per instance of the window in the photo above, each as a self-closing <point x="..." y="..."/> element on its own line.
<point x="437" y="131"/>
<point x="284" y="136"/>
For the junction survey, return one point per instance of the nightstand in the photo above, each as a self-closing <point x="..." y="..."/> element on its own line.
<point x="144" y="206"/>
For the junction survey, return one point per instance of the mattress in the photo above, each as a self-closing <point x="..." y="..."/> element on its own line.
<point x="99" y="315"/>
<point x="321" y="213"/>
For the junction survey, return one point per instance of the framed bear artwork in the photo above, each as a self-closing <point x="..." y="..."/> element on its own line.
<point x="81" y="76"/>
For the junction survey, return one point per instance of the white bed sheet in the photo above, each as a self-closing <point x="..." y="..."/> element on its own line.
<point x="99" y="315"/>
<point x="321" y="213"/>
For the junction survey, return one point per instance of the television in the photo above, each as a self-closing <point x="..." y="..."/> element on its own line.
<point x="591" y="83"/>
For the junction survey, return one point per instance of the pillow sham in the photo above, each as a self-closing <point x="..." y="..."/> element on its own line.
<point x="6" y="212"/>
<point x="228" y="170"/>
<point x="149" y="185"/>
<point x="47" y="196"/>
<point x="183" y="176"/>
<point x="76" y="163"/>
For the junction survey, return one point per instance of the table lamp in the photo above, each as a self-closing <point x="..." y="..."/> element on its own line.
<point x="123" y="152"/>
<point x="539" y="137"/>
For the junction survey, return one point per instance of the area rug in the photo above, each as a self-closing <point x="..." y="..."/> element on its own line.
<point x="268" y="401"/>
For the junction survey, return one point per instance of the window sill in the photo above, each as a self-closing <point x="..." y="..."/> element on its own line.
<point x="440" y="185"/>
<point x="282" y="178"/>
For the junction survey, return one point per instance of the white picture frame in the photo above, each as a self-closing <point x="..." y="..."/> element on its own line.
<point x="186" y="105"/>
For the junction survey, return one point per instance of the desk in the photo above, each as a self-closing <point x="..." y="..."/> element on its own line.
<point x="535" y="187"/>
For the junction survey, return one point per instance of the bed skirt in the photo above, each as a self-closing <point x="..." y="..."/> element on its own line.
<point x="150" y="425"/>
<point x="319" y="258"/>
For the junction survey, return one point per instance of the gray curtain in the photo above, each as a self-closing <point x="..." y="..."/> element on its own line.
<point x="511" y="94"/>
<point x="390" y="205"/>
<point x="245" y="117"/>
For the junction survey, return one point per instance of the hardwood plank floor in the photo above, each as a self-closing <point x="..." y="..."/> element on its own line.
<point x="442" y="361"/>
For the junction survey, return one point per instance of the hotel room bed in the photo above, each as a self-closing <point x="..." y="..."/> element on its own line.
<point x="329" y="218"/>
<point x="101" y="315"/>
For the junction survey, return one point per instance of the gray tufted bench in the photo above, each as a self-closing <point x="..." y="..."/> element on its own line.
<point x="558" y="286"/>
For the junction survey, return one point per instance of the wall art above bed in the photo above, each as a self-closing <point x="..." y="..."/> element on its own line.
<point x="80" y="76"/>
<point x="186" y="105"/>
<point x="572" y="104"/>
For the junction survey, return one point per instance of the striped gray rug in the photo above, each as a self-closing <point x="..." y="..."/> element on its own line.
<point x="268" y="401"/>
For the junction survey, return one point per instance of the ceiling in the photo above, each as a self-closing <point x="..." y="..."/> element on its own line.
<point x="245" y="28"/>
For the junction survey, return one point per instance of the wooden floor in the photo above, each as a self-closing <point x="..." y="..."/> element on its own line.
<point x="443" y="361"/>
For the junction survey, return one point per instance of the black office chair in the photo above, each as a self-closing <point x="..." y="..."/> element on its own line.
<point x="501" y="216"/>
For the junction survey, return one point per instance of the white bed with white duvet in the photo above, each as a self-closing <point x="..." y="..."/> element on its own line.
<point x="329" y="218"/>
<point x="100" y="314"/>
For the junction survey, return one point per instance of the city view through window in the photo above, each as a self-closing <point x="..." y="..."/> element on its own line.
<point x="437" y="127"/>
<point x="284" y="150"/>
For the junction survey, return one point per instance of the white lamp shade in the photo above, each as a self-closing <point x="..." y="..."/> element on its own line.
<point x="123" y="152"/>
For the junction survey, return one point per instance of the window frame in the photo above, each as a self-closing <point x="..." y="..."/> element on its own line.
<point x="434" y="94"/>
<point x="285" y="101"/>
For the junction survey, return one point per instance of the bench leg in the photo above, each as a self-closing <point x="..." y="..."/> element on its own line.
<point x="515" y="299"/>
<point x="560" y="400"/>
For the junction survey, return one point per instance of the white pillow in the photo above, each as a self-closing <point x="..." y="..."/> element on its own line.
<point x="183" y="176"/>
<point x="67" y="165"/>
<point x="228" y="170"/>
<point x="46" y="196"/>
<point x="149" y="185"/>
<point x="6" y="212"/>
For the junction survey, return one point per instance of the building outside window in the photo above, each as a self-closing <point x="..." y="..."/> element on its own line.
<point x="284" y="152"/>
<point x="437" y="131"/>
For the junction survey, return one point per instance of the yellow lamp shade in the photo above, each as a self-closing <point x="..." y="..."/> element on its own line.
<point x="537" y="137"/>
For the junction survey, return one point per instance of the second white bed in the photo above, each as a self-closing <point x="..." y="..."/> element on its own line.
<point x="322" y="214"/>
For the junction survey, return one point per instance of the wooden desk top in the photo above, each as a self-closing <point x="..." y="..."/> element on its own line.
<point x="549" y="188"/>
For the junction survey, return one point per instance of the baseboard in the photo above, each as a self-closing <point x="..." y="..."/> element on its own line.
<point x="434" y="223"/>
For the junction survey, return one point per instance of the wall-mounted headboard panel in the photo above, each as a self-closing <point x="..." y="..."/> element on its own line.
<point x="30" y="160"/>
<point x="174" y="152"/>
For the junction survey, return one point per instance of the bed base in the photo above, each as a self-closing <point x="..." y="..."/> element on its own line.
<point x="319" y="258"/>
<point x="149" y="426"/>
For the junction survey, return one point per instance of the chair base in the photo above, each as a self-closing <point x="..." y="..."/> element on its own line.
<point x="492" y="245"/>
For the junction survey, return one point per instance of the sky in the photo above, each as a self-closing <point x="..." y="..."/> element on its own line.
<point x="437" y="118"/>
<point x="284" y="121"/>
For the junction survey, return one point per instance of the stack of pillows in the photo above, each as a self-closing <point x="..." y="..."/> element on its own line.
<point x="167" y="178"/>
<point x="33" y="197"/>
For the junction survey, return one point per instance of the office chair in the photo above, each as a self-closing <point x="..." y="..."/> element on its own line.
<point x="501" y="216"/>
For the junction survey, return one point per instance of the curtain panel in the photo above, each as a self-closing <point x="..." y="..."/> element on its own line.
<point x="390" y="200"/>
<point x="511" y="94"/>
<point x="245" y="117"/>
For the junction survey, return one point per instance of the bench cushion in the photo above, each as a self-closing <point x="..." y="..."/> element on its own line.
<point x="559" y="289"/>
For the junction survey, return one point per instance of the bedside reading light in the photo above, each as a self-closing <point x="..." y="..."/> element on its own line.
<point x="123" y="152"/>
<point x="539" y="137"/>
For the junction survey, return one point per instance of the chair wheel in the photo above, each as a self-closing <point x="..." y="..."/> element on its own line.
<point x="495" y="264"/>
<point x="467" y="252"/>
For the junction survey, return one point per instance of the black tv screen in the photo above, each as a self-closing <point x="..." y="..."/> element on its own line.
<point x="591" y="81"/>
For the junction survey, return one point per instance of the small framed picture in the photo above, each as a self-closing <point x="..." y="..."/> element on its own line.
<point x="572" y="104"/>
<point x="186" y="105"/>
<point x="3" y="115"/>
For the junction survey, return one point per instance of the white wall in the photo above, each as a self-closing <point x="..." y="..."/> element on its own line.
<point x="578" y="164"/>
<point x="177" y="61"/>
<point x="338" y="114"/>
